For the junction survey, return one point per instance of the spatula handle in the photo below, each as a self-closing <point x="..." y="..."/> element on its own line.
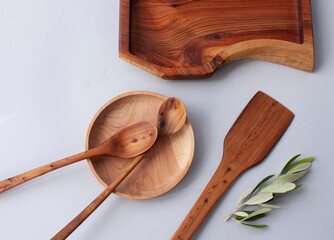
<point x="218" y="184"/>
<point x="25" y="177"/>
<point x="70" y="227"/>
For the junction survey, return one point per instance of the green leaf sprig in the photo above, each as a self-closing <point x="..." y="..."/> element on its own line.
<point x="264" y="192"/>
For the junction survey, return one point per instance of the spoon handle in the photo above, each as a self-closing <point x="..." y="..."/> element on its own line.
<point x="70" y="227"/>
<point x="218" y="184"/>
<point x="24" y="177"/>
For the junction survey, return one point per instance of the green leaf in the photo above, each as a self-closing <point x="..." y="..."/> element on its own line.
<point x="298" y="186"/>
<point x="266" y="205"/>
<point x="251" y="218"/>
<point x="305" y="160"/>
<point x="244" y="195"/>
<point x="259" y="198"/>
<point x="241" y="214"/>
<point x="280" y="187"/>
<point x="249" y="212"/>
<point x="261" y="183"/>
<point x="287" y="165"/>
<point x="255" y="226"/>
<point x="257" y="212"/>
<point x="255" y="217"/>
<point x="299" y="167"/>
<point x="239" y="218"/>
<point x="290" y="177"/>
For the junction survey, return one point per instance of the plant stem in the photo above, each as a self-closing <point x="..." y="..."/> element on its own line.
<point x="236" y="220"/>
<point x="236" y="210"/>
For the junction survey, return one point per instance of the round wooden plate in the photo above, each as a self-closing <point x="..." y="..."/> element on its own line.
<point x="165" y="164"/>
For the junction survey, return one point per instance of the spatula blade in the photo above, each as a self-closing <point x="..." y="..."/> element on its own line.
<point x="256" y="131"/>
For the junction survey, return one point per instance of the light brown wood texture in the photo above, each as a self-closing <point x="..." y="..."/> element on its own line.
<point x="171" y="118"/>
<point x="126" y="143"/>
<point x="130" y="141"/>
<point x="81" y="217"/>
<point x="163" y="167"/>
<point x="255" y="132"/>
<point x="190" y="39"/>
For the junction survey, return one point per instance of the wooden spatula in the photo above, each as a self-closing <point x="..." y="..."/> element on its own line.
<point x="255" y="132"/>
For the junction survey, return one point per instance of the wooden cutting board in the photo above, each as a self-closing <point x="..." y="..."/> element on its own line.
<point x="190" y="39"/>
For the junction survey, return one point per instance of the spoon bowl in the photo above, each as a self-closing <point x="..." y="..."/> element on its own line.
<point x="172" y="116"/>
<point x="132" y="140"/>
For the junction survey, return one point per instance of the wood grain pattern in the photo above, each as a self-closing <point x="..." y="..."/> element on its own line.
<point x="171" y="118"/>
<point x="165" y="164"/>
<point x="190" y="39"/>
<point x="255" y="132"/>
<point x="128" y="142"/>
<point x="81" y="217"/>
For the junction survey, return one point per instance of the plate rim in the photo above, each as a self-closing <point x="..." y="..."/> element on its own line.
<point x="90" y="164"/>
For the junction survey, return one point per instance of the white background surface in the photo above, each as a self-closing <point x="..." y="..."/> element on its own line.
<point x="59" y="64"/>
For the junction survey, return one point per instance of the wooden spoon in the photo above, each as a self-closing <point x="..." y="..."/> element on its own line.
<point x="171" y="118"/>
<point x="128" y="142"/>
<point x="250" y="139"/>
